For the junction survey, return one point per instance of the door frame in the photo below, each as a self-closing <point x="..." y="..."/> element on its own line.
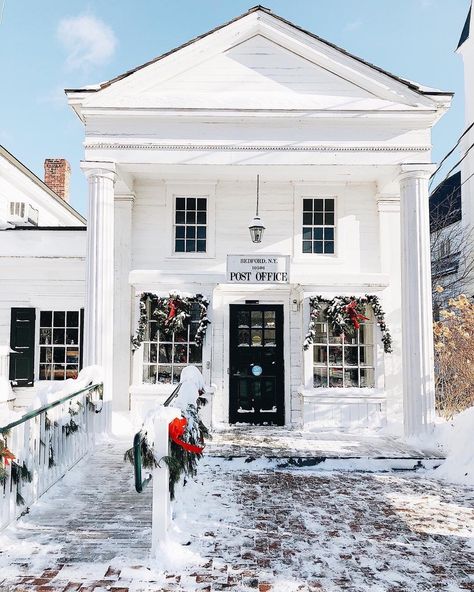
<point x="279" y="316"/>
<point x="225" y="295"/>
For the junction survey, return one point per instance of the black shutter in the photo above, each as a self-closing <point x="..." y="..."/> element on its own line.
<point x="22" y="340"/>
<point x="81" y="338"/>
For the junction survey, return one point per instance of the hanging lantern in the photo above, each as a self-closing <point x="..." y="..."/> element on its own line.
<point x="257" y="227"/>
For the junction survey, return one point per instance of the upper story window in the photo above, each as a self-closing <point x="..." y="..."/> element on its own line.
<point x="319" y="225"/>
<point x="344" y="361"/>
<point x="59" y="344"/>
<point x="190" y="225"/>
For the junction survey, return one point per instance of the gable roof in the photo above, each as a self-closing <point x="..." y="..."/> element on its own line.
<point x="41" y="184"/>
<point x="445" y="203"/>
<point x="466" y="29"/>
<point x="422" y="90"/>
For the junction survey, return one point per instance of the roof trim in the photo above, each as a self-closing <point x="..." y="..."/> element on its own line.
<point x="466" y="29"/>
<point x="411" y="85"/>
<point x="24" y="169"/>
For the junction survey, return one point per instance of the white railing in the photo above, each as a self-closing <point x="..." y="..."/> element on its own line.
<point x="46" y="443"/>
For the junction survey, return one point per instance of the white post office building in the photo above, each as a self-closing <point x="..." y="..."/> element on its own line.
<point x="342" y="153"/>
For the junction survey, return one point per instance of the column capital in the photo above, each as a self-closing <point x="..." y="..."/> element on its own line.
<point x="99" y="169"/>
<point x="416" y="171"/>
<point x="125" y="197"/>
<point x="388" y="202"/>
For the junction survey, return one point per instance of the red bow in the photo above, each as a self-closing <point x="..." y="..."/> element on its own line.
<point x="176" y="430"/>
<point x="7" y="456"/>
<point x="354" y="315"/>
<point x="171" y="309"/>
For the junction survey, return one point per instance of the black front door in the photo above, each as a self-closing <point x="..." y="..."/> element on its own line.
<point x="257" y="380"/>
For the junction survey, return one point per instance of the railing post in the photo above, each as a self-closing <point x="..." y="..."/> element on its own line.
<point x="161" y="509"/>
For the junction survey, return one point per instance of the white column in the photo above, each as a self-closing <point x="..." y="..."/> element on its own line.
<point x="99" y="309"/>
<point x="417" y="314"/>
<point x="123" y="300"/>
<point x="388" y="207"/>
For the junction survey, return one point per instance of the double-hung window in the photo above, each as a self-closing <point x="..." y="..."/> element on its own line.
<point x="344" y="361"/>
<point x="165" y="355"/>
<point x="319" y="225"/>
<point x="59" y="344"/>
<point x="190" y="227"/>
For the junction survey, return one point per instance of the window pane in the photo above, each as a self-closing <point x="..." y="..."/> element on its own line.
<point x="190" y="203"/>
<point x="320" y="377"/>
<point x="190" y="246"/>
<point x="190" y="232"/>
<point x="45" y="336"/>
<point x="180" y="231"/>
<point x="180" y="203"/>
<point x="179" y="246"/>
<point x="59" y="354"/>
<point x="180" y="354"/>
<point x="72" y="336"/>
<point x="308" y="219"/>
<point x="318" y="205"/>
<point x="201" y="203"/>
<point x="318" y="247"/>
<point x="318" y="218"/>
<point x="46" y="372"/>
<point x="201" y="232"/>
<point x="180" y="217"/>
<point x="59" y="319"/>
<point x="256" y="337"/>
<point x="164" y="374"/>
<point x="244" y="337"/>
<point x="336" y="377"/>
<point x="73" y="318"/>
<point x="46" y="318"/>
<point x="329" y="234"/>
<point x="329" y="218"/>
<point x="59" y="371"/>
<point x="335" y="355"/>
<point x="58" y="336"/>
<point x="195" y="354"/>
<point x="165" y="353"/>
<point x="149" y="374"/>
<point x="269" y="319"/>
<point x="307" y="233"/>
<point x="71" y="371"/>
<point x="307" y="205"/>
<point x="46" y="354"/>
<point x="366" y="356"/>
<point x="329" y="247"/>
<point x="201" y="246"/>
<point x="351" y="356"/>
<point x="320" y="355"/>
<point x="366" y="334"/>
<point x="244" y="318"/>
<point x="351" y="378"/>
<point x="72" y="355"/>
<point x="318" y="233"/>
<point x="269" y="337"/>
<point x="201" y="218"/>
<point x="190" y="217"/>
<point x="329" y="205"/>
<point x="307" y="247"/>
<point x="320" y="332"/>
<point x="367" y="378"/>
<point x="256" y="319"/>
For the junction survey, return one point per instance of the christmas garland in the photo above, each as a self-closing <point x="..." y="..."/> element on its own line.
<point x="186" y="443"/>
<point x="343" y="313"/>
<point x="172" y="313"/>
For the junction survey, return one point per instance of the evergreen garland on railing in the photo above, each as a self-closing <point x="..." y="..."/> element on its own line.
<point x="337" y="315"/>
<point x="172" y="313"/>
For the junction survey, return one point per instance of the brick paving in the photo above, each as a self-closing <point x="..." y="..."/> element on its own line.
<point x="253" y="528"/>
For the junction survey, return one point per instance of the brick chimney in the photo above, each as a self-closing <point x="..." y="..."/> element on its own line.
<point x="57" y="172"/>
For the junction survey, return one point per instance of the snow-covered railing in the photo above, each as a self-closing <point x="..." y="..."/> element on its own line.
<point x="39" y="447"/>
<point x="166" y="427"/>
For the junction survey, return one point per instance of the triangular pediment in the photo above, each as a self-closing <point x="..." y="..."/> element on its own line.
<point x="258" y="62"/>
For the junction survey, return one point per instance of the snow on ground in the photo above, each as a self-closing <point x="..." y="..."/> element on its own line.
<point x="250" y="527"/>
<point x="458" y="440"/>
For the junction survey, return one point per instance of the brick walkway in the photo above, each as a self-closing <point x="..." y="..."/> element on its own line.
<point x="251" y="528"/>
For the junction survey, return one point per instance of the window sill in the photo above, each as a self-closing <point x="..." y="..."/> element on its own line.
<point x="175" y="256"/>
<point x="346" y="394"/>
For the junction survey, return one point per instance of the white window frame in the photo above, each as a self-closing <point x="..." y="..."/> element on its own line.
<point x="311" y="191"/>
<point x="198" y="190"/>
<point x="39" y="346"/>
<point x="379" y="365"/>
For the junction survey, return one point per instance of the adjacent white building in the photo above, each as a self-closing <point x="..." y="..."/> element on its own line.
<point x="343" y="152"/>
<point x="42" y="274"/>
